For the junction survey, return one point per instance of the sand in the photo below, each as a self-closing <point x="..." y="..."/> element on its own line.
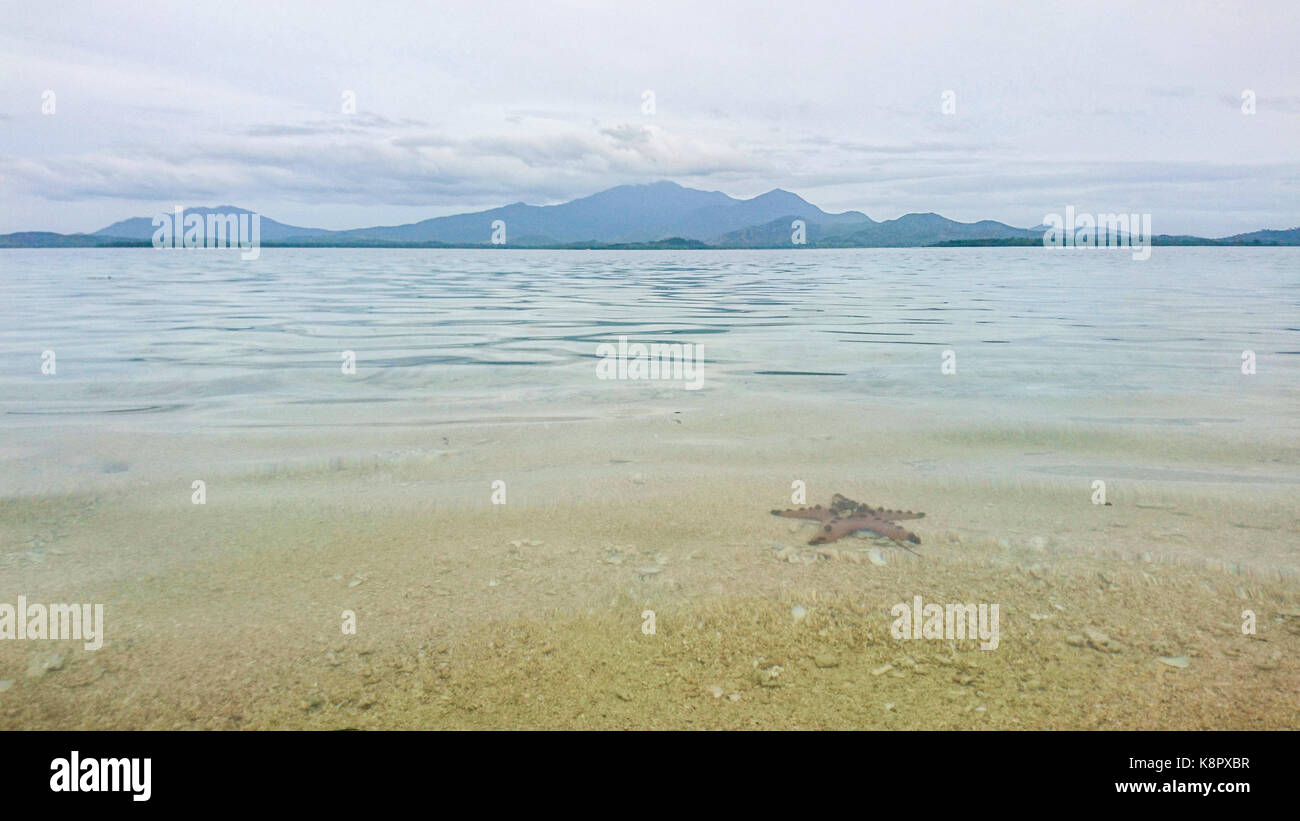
<point x="530" y="614"/>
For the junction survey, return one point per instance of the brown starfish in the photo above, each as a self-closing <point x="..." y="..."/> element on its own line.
<point x="845" y="516"/>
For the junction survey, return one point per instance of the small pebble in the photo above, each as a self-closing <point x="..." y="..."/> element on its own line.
<point x="798" y="612"/>
<point x="1098" y="640"/>
<point x="50" y="662"/>
<point x="1181" y="662"/>
<point x="768" y="677"/>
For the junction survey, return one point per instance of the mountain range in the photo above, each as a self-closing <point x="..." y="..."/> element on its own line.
<point x="656" y="215"/>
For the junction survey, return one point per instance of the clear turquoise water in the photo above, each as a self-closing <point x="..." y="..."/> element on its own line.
<point x="200" y="337"/>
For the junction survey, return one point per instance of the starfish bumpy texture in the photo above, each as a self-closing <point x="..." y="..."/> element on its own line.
<point x="845" y="516"/>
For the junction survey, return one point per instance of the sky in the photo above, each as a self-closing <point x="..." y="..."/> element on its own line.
<point x="110" y="110"/>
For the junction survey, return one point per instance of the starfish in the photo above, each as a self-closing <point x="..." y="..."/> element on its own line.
<point x="845" y="516"/>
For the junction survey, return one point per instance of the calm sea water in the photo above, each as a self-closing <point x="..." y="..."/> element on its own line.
<point x="179" y="338"/>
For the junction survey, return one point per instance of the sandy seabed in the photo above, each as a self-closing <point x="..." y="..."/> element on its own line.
<point x="532" y="614"/>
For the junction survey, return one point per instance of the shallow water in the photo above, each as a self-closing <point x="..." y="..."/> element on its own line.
<point x="202" y="334"/>
<point x="372" y="491"/>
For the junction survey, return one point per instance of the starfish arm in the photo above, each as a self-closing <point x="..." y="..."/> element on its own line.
<point x="818" y="513"/>
<point x="896" y="515"/>
<point x="844" y="507"/>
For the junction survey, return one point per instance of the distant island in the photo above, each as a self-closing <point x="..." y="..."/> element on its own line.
<point x="656" y="216"/>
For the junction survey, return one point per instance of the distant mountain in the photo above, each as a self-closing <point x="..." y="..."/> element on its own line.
<point x="907" y="230"/>
<point x="1289" y="237"/>
<point x="716" y="221"/>
<point x="628" y="213"/>
<point x="636" y="214"/>
<point x="931" y="229"/>
<point x="272" y="231"/>
<point x="660" y="215"/>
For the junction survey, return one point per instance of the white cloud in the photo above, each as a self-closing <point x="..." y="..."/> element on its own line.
<point x="474" y="106"/>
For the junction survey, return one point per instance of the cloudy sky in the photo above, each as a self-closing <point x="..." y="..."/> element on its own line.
<point x="1132" y="107"/>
